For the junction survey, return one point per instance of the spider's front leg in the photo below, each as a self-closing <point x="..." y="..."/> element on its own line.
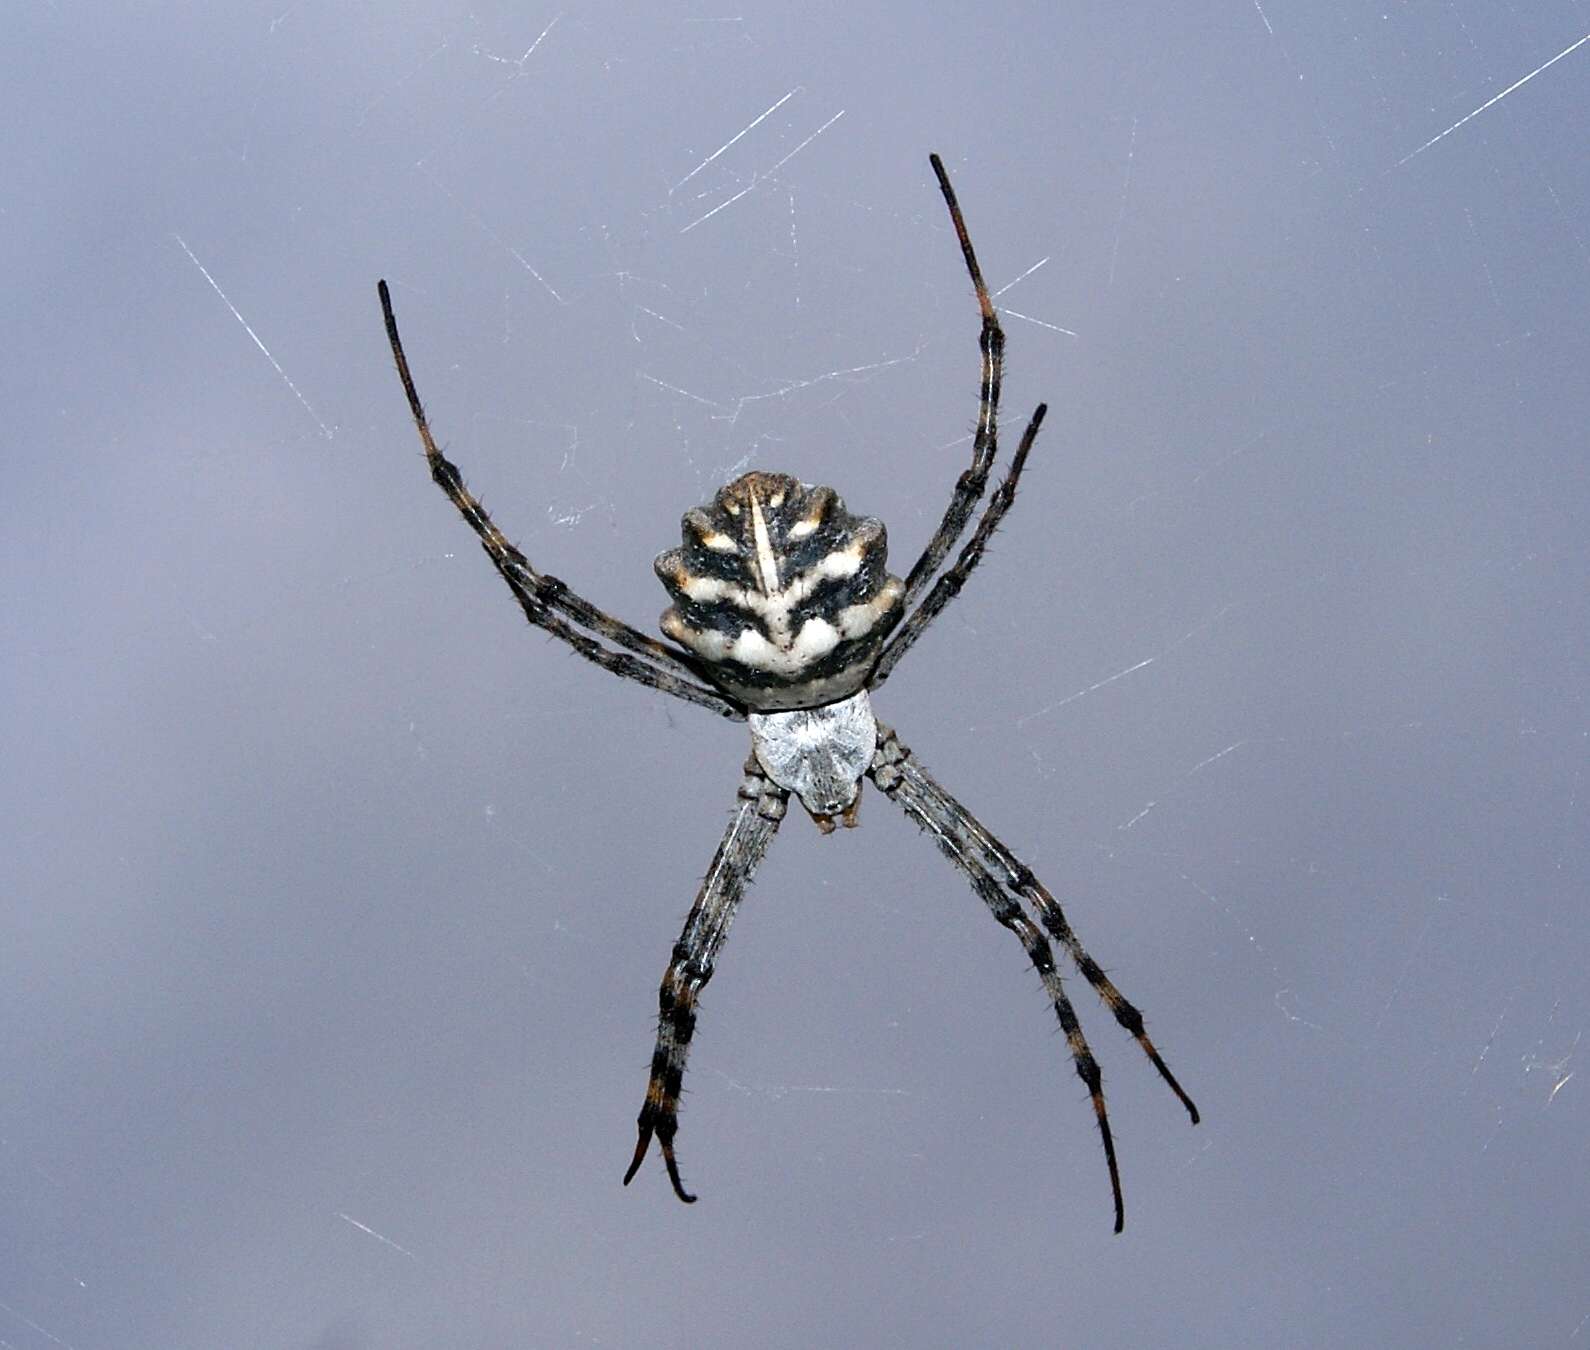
<point x="987" y="863"/>
<point x="756" y="819"/>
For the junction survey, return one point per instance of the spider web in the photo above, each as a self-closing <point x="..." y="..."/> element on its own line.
<point x="338" y="900"/>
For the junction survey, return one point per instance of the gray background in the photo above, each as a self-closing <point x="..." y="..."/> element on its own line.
<point x="335" y="901"/>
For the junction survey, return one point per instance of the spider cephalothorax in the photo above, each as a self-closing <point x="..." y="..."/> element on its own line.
<point x="783" y="593"/>
<point x="784" y="615"/>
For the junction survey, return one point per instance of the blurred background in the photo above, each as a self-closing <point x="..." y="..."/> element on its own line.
<point x="333" y="899"/>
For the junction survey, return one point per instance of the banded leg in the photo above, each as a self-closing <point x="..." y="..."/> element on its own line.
<point x="652" y="663"/>
<point x="1019" y="877"/>
<point x="985" y="441"/>
<point x="949" y="584"/>
<point x="756" y="818"/>
<point x="891" y="772"/>
<point x="619" y="663"/>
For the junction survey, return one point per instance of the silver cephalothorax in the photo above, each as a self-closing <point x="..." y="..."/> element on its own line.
<point x="819" y="754"/>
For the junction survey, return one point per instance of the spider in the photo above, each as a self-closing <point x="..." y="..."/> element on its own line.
<point x="785" y="616"/>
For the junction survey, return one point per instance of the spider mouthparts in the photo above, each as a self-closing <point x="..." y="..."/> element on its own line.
<point x="849" y="817"/>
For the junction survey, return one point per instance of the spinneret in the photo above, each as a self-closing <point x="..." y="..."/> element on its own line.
<point x="782" y="592"/>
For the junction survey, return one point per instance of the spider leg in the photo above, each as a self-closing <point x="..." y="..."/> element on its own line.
<point x="985" y="441"/>
<point x="949" y="584"/>
<point x="539" y="595"/>
<point x="619" y="663"/>
<point x="756" y="819"/>
<point x="890" y="771"/>
<point x="1019" y="877"/>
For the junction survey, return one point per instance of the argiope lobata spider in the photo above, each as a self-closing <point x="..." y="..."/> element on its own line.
<point x="785" y="616"/>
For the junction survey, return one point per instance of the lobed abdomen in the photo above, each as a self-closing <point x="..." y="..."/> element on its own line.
<point x="781" y="591"/>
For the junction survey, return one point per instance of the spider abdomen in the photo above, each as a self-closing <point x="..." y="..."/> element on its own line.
<point x="781" y="591"/>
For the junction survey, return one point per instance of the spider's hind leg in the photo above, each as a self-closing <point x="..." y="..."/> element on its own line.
<point x="969" y="487"/>
<point x="632" y="655"/>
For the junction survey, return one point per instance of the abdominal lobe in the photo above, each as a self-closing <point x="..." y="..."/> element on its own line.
<point x="781" y="591"/>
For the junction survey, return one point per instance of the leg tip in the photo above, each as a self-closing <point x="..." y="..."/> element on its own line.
<point x="641" y="1145"/>
<point x="673" y="1176"/>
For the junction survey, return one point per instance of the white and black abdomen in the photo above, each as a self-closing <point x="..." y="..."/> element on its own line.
<point x="782" y="592"/>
